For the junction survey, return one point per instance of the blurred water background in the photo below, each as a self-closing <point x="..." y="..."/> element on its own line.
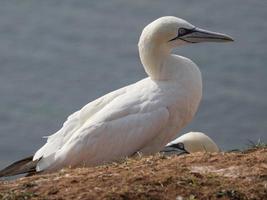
<point x="55" y="56"/>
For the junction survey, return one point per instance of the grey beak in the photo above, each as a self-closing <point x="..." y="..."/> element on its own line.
<point x="176" y="148"/>
<point x="200" y="35"/>
<point x="172" y="150"/>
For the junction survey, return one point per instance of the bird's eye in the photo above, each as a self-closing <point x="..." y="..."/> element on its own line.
<point x="180" y="146"/>
<point x="182" y="31"/>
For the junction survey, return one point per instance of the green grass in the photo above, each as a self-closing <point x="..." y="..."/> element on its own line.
<point x="251" y="145"/>
<point x="257" y="145"/>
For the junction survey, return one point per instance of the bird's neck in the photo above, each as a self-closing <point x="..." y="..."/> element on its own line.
<point x="155" y="59"/>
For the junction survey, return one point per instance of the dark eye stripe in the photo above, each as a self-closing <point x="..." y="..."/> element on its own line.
<point x="184" y="31"/>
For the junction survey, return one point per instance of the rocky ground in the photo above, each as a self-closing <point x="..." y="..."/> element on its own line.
<point x="236" y="175"/>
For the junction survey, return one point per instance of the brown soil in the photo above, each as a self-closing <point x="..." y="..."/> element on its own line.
<point x="195" y="176"/>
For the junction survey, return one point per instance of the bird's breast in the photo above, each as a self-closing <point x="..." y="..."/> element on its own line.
<point x="182" y="103"/>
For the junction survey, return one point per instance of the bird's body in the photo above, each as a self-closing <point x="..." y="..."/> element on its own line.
<point x="143" y="116"/>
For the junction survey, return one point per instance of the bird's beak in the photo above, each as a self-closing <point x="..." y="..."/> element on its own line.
<point x="197" y="35"/>
<point x="174" y="149"/>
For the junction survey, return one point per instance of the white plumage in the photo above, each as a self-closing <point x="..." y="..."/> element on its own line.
<point x="143" y="116"/>
<point x="194" y="142"/>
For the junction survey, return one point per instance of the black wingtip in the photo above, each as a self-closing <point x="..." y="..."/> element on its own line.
<point x="25" y="165"/>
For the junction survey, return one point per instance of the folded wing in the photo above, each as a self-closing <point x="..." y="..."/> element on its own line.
<point x="74" y="122"/>
<point x="107" y="141"/>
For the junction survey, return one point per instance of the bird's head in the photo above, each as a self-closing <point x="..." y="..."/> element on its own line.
<point x="172" y="32"/>
<point x="192" y="142"/>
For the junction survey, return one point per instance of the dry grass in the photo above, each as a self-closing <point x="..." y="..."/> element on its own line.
<point x="196" y="176"/>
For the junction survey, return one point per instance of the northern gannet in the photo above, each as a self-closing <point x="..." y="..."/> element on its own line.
<point x="142" y="117"/>
<point x="190" y="143"/>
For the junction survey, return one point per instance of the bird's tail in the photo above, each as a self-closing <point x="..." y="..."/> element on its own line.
<point x="26" y="165"/>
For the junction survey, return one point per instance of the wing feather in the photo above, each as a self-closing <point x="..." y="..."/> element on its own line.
<point x="74" y="122"/>
<point x="108" y="141"/>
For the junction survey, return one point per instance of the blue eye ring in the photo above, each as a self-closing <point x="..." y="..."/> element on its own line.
<point x="182" y="31"/>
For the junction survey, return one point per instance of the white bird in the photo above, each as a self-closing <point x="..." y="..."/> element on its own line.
<point x="191" y="142"/>
<point x="142" y="117"/>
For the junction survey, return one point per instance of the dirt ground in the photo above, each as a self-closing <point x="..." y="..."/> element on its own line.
<point x="222" y="176"/>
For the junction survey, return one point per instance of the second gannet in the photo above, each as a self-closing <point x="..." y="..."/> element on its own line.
<point x="190" y="143"/>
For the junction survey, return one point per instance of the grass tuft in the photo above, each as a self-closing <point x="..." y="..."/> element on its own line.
<point x="257" y="145"/>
